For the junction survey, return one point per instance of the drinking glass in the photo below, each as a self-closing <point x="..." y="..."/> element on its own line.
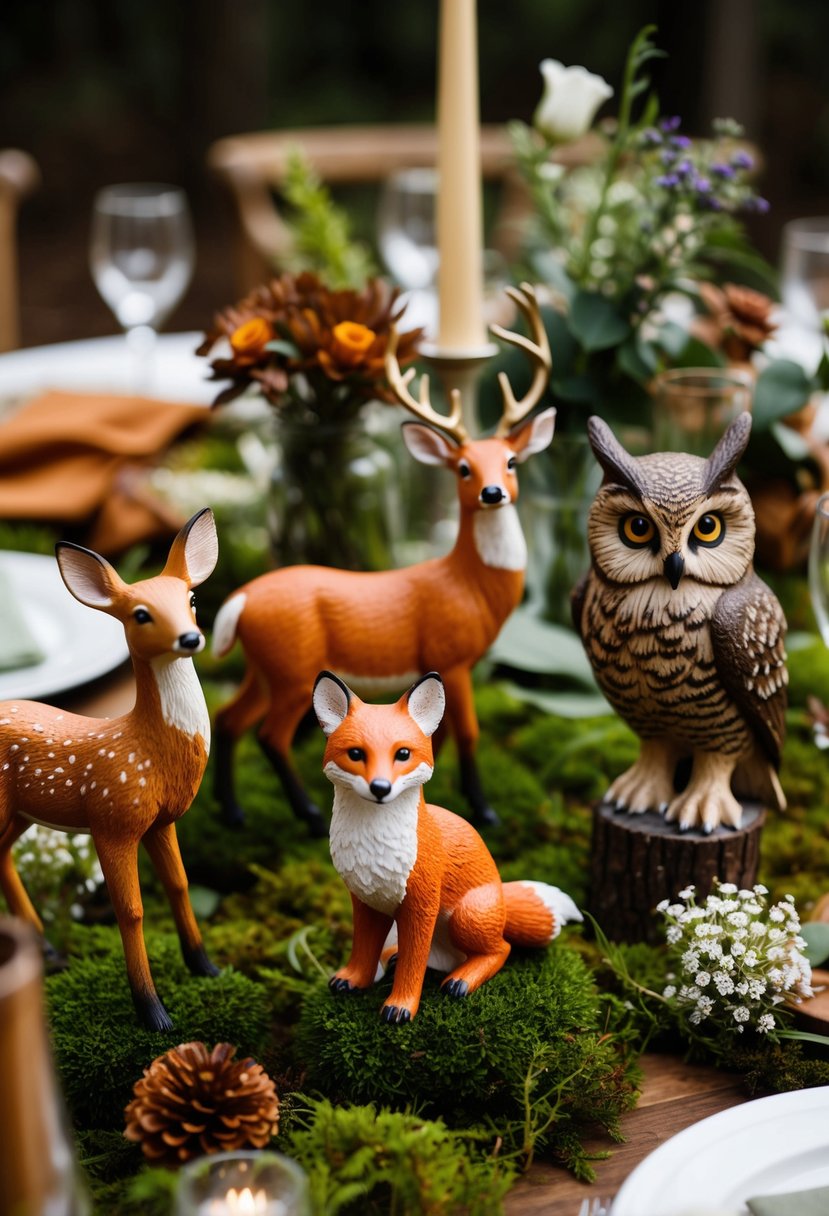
<point x="694" y="406"/>
<point x="141" y="255"/>
<point x="242" y="1184"/>
<point x="805" y="272"/>
<point x="819" y="567"/>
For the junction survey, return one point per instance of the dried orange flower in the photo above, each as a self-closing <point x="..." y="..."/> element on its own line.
<point x="327" y="348"/>
<point x="738" y="320"/>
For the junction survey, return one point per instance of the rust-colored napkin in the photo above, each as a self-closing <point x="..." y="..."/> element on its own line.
<point x="78" y="458"/>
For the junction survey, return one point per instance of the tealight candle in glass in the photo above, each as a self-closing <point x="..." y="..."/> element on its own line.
<point x="242" y="1184"/>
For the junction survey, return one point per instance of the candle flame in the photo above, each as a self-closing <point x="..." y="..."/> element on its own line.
<point x="245" y="1202"/>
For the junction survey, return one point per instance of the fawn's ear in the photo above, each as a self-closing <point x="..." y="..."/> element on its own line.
<point x="90" y="578"/>
<point x="331" y="701"/>
<point x="195" y="551"/>
<point x="533" y="435"/>
<point x="428" y="445"/>
<point x="426" y="701"/>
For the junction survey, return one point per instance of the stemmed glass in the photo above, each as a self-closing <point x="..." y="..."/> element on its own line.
<point x="141" y="255"/>
<point x="406" y="228"/>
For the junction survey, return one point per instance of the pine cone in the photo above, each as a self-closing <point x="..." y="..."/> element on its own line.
<point x="192" y="1101"/>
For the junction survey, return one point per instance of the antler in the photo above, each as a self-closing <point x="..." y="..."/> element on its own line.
<point x="399" y="382"/>
<point x="537" y="347"/>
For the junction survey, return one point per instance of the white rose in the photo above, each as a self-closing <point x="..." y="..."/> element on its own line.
<point x="570" y="101"/>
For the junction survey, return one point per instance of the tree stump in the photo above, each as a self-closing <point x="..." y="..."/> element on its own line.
<point x="638" y="860"/>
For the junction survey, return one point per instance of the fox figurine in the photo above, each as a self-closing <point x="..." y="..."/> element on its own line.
<point x="423" y="884"/>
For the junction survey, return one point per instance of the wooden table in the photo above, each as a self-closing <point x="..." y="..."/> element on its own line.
<point x="674" y="1095"/>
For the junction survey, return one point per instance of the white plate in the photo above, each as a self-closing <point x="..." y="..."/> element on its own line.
<point x="766" y="1147"/>
<point x="78" y="643"/>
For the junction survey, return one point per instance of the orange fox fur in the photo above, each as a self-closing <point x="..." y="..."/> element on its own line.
<point x="423" y="884"/>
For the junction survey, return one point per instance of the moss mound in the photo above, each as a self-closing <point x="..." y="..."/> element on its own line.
<point x="101" y="1049"/>
<point x="527" y="1052"/>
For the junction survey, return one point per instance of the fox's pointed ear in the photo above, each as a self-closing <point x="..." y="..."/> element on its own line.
<point x="331" y="701"/>
<point x="426" y="701"/>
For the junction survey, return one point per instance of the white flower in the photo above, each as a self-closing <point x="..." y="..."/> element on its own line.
<point x="673" y="934"/>
<point x="569" y="103"/>
<point x="757" y="929"/>
<point x="738" y="919"/>
<point x="777" y="914"/>
<point x="723" y="983"/>
<point x="756" y="989"/>
<point x="741" y="1014"/>
<point x="759" y="889"/>
<point x="737" y="948"/>
<point x="727" y="888"/>
<point x="690" y="960"/>
<point x="702" y="978"/>
<point x="669" y="991"/>
<point x="742" y="988"/>
<point x="750" y="959"/>
<point x="765" y="1023"/>
<point x="687" y="893"/>
<point x="663" y="905"/>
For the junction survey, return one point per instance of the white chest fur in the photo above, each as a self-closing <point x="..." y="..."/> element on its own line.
<point x="182" y="699"/>
<point x="499" y="539"/>
<point x="374" y="847"/>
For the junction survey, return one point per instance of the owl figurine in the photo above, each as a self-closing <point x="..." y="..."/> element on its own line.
<point x="686" y="642"/>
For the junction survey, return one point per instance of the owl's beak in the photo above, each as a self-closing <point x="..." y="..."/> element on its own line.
<point x="674" y="568"/>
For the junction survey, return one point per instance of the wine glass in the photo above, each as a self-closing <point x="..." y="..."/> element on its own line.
<point x="805" y="283"/>
<point x="242" y="1184"/>
<point x="141" y="255"/>
<point x="406" y="227"/>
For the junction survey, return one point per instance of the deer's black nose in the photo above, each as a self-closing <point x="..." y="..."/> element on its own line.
<point x="380" y="787"/>
<point x="491" y="495"/>
<point x="189" y="641"/>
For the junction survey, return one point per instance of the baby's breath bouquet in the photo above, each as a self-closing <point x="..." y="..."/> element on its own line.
<point x="736" y="963"/>
<point x="60" y="871"/>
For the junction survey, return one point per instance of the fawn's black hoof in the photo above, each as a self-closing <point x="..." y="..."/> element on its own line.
<point x="198" y="963"/>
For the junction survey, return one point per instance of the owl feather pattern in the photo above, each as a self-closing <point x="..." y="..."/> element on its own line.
<point x="686" y="642"/>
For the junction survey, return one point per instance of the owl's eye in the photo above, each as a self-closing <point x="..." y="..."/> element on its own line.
<point x="636" y="530"/>
<point x="709" y="529"/>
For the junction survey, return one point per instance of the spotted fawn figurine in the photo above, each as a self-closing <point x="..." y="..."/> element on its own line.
<point x="381" y="630"/>
<point x="686" y="642"/>
<point x="124" y="780"/>
<point x="423" y="884"/>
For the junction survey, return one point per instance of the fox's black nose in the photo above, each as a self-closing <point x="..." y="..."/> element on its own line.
<point x="189" y="641"/>
<point x="491" y="495"/>
<point x="380" y="787"/>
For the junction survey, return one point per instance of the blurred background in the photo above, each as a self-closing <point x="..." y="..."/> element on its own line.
<point x="100" y="92"/>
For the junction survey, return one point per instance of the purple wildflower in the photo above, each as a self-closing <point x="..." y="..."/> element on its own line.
<point x="651" y="136"/>
<point x="724" y="171"/>
<point x="668" y="156"/>
<point x="680" y="141"/>
<point x="759" y="205"/>
<point x="684" y="168"/>
<point x="668" y="180"/>
<point x="702" y="185"/>
<point x="742" y="160"/>
<point x="670" y="124"/>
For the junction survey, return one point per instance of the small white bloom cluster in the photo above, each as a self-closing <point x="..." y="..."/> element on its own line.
<point x="736" y="959"/>
<point x="57" y="868"/>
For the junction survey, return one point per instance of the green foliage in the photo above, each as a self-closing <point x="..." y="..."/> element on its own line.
<point x="101" y="1049"/>
<point x="321" y="230"/>
<point x="527" y="1050"/>
<point x="368" y="1161"/>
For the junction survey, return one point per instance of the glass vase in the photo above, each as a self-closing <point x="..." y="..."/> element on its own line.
<point x="334" y="497"/>
<point x="557" y="488"/>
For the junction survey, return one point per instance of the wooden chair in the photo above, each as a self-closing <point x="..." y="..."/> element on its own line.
<point x="19" y="176"/>
<point x="253" y="167"/>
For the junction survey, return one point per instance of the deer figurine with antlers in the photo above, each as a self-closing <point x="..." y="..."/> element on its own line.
<point x="124" y="780"/>
<point x="381" y="630"/>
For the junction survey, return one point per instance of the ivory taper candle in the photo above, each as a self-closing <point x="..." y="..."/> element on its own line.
<point x="459" y="204"/>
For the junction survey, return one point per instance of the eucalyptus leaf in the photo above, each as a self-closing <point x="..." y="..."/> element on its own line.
<point x="698" y="354"/>
<point x="782" y="388"/>
<point x="281" y="346"/>
<point x="815" y="933"/>
<point x="560" y="704"/>
<point x="792" y="442"/>
<point x="204" y="901"/>
<point x="672" y="338"/>
<point x="596" y="322"/>
<point x="529" y="644"/>
<point x="637" y="360"/>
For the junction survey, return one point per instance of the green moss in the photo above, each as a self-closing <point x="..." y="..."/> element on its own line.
<point x="367" y="1162"/>
<point x="100" y="1047"/>
<point x="527" y="1051"/>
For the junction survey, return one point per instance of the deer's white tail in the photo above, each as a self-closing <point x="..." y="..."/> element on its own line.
<point x="227" y="619"/>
